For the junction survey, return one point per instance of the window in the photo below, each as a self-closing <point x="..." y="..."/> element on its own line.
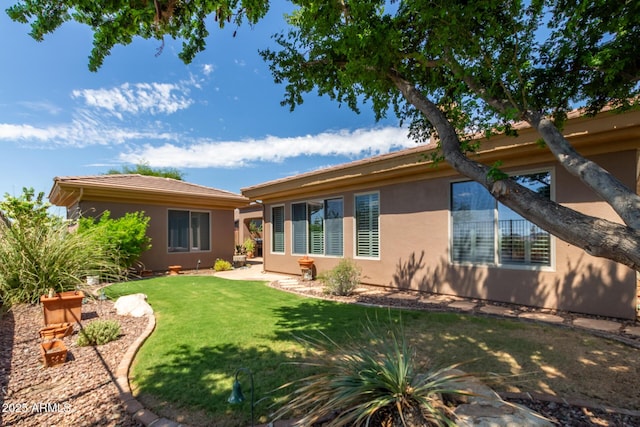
<point x="317" y="227"/>
<point x="277" y="229"/>
<point x="367" y="228"/>
<point x="189" y="231"/>
<point x="486" y="232"/>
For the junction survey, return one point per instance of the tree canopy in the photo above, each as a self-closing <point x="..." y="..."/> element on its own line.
<point x="145" y="169"/>
<point x="446" y="68"/>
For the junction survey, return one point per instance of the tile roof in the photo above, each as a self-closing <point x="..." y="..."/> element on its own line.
<point x="135" y="185"/>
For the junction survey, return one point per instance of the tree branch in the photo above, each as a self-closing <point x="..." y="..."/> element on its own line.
<point x="596" y="236"/>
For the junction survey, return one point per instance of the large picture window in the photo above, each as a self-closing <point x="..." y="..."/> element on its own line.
<point x="189" y="231"/>
<point x="317" y="227"/>
<point x="277" y="229"/>
<point x="367" y="207"/>
<point x="485" y="231"/>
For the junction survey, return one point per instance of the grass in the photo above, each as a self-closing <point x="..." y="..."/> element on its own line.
<point x="207" y="327"/>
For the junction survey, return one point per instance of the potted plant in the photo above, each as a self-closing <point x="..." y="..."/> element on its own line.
<point x="249" y="246"/>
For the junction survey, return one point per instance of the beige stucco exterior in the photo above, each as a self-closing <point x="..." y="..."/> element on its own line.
<point x="414" y="221"/>
<point x="120" y="194"/>
<point x="158" y="258"/>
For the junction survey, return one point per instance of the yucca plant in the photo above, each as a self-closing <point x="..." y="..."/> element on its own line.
<point x="375" y="385"/>
<point x="38" y="251"/>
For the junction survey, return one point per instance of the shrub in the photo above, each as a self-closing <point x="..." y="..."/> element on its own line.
<point x="379" y="384"/>
<point x="38" y="252"/>
<point x="343" y="279"/>
<point x="222" y="265"/>
<point x="99" y="332"/>
<point x="249" y="245"/>
<point x="126" y="237"/>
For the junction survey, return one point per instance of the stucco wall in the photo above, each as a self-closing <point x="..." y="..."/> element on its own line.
<point x="414" y="248"/>
<point x="158" y="258"/>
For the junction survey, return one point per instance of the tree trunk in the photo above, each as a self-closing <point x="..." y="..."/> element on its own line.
<point x="597" y="236"/>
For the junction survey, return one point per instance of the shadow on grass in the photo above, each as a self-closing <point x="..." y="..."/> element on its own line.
<point x="208" y="372"/>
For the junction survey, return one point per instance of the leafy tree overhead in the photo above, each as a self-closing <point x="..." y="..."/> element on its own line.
<point x="145" y="169"/>
<point x="447" y="69"/>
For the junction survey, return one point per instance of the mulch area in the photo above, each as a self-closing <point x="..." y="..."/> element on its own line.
<point x="81" y="392"/>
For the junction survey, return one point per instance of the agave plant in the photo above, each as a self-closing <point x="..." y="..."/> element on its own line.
<point x="374" y="385"/>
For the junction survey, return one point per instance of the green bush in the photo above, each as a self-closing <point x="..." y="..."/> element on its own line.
<point x="98" y="332"/>
<point x="126" y="237"/>
<point x="38" y="251"/>
<point x="343" y="279"/>
<point x="378" y="384"/>
<point x="222" y="265"/>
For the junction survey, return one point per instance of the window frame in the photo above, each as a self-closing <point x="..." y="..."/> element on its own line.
<point x="273" y="230"/>
<point x="189" y="234"/>
<point x="355" y="226"/>
<point x="497" y="235"/>
<point x="299" y="234"/>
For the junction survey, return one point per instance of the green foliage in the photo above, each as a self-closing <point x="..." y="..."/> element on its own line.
<point x="145" y="169"/>
<point x="222" y="265"/>
<point x="343" y="279"/>
<point x="249" y="245"/>
<point x="98" y="332"/>
<point x="38" y="252"/>
<point x="26" y="210"/>
<point x="495" y="173"/>
<point x="375" y="384"/>
<point x="118" y="23"/>
<point x="124" y="238"/>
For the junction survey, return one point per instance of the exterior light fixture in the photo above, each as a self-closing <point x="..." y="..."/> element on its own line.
<point x="236" y="391"/>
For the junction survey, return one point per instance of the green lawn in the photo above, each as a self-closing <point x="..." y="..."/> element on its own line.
<point x="207" y="327"/>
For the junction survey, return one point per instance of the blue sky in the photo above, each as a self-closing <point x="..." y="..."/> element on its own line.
<point x="218" y="120"/>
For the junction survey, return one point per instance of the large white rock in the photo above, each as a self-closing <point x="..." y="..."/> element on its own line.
<point x="134" y="305"/>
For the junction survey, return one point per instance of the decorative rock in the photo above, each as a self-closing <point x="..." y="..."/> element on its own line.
<point x="485" y="408"/>
<point x="134" y="305"/>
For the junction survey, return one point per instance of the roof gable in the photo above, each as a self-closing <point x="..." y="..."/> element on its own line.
<point x="135" y="188"/>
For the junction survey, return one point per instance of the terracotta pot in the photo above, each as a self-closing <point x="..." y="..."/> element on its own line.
<point x="306" y="267"/>
<point x="53" y="353"/>
<point x="56" y="331"/>
<point x="63" y="307"/>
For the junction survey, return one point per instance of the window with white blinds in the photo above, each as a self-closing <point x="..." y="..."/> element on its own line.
<point x="367" y="212"/>
<point x="299" y="225"/>
<point x="485" y="231"/>
<point x="317" y="227"/>
<point x="277" y="229"/>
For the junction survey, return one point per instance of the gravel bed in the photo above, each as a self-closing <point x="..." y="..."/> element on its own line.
<point x="81" y="392"/>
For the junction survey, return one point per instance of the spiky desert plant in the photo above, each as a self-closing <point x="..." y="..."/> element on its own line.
<point x="377" y="384"/>
<point x="39" y="251"/>
<point x="35" y="259"/>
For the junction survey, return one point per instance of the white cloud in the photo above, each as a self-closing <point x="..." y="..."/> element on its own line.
<point x="207" y="69"/>
<point x="152" y="98"/>
<point x="85" y="129"/>
<point x="233" y="154"/>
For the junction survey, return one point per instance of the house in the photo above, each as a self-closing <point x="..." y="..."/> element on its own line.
<point x="190" y="225"/>
<point x="410" y="224"/>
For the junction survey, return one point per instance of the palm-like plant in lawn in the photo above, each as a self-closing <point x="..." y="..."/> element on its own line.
<point x="377" y="384"/>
